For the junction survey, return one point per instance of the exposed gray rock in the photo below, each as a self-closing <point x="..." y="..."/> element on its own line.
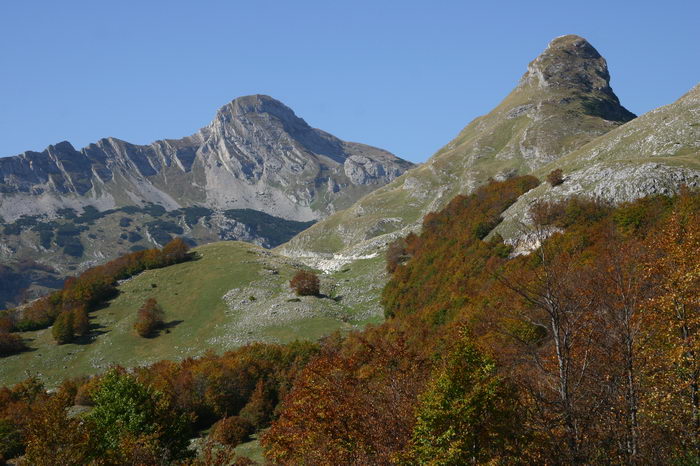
<point x="255" y="154"/>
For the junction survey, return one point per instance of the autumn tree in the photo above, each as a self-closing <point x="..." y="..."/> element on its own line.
<point x="260" y="407"/>
<point x="232" y="430"/>
<point x="555" y="177"/>
<point x="555" y="292"/>
<point x="673" y="323"/>
<point x="396" y="254"/>
<point x="305" y="283"/>
<point x="352" y="405"/>
<point x="620" y="293"/>
<point x="175" y="251"/>
<point x="52" y="437"/>
<point x="149" y="318"/>
<point x="11" y="343"/>
<point x="81" y="321"/>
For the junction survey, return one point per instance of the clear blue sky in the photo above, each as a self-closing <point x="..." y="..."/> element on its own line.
<point x="402" y="75"/>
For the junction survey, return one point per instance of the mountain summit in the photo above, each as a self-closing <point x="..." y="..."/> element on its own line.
<point x="255" y="154"/>
<point x="570" y="63"/>
<point x="256" y="173"/>
<point x="562" y="102"/>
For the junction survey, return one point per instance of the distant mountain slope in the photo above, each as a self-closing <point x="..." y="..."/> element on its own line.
<point x="656" y="153"/>
<point x="257" y="173"/>
<point x="562" y="102"/>
<point x="255" y="154"/>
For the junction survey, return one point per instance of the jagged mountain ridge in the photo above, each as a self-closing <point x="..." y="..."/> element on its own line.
<point x="256" y="173"/>
<point x="563" y="101"/>
<point x="255" y="154"/>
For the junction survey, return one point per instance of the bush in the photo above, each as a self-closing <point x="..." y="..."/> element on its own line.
<point x="396" y="254"/>
<point x="7" y="323"/>
<point x="10" y="343"/>
<point x="555" y="177"/>
<point x="149" y="318"/>
<point x="133" y="237"/>
<point x="305" y="283"/>
<point x="83" y="396"/>
<point x="232" y="431"/>
<point x="10" y="440"/>
<point x="127" y="413"/>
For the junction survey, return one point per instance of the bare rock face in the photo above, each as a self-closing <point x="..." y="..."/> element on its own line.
<point x="363" y="170"/>
<point x="571" y="64"/>
<point x="255" y="154"/>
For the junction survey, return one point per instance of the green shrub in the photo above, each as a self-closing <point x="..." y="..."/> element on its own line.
<point x="125" y="409"/>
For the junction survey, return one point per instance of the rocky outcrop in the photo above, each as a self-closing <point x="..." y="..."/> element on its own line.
<point x="572" y="64"/>
<point x="256" y="154"/>
<point x="656" y="153"/>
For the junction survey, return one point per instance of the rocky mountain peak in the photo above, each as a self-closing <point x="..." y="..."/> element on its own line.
<point x="570" y="62"/>
<point x="570" y="65"/>
<point x="257" y="104"/>
<point x="63" y="146"/>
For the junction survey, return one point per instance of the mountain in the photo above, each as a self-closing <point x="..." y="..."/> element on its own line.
<point x="256" y="173"/>
<point x="350" y="251"/>
<point x="563" y="101"/>
<point x="255" y="154"/>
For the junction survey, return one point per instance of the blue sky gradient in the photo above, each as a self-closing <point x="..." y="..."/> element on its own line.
<point x="402" y="75"/>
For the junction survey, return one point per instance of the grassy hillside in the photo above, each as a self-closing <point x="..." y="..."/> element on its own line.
<point x="231" y="294"/>
<point x="38" y="252"/>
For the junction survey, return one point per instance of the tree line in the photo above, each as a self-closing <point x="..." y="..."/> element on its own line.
<point x="67" y="309"/>
<point x="147" y="415"/>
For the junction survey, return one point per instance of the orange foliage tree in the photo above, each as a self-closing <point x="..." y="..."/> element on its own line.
<point x="305" y="283"/>
<point x="149" y="318"/>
